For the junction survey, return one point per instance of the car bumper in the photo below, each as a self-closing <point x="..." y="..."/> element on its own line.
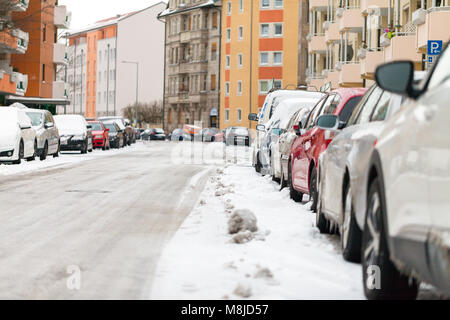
<point x="72" y="145"/>
<point x="4" y="157"/>
<point x="99" y="143"/>
<point x="160" y="138"/>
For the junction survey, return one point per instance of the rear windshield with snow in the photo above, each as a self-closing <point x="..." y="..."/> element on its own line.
<point x="36" y="118"/>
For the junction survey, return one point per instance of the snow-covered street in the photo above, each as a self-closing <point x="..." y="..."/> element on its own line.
<point x="286" y="259"/>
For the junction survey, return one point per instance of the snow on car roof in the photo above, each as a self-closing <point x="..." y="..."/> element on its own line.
<point x="287" y="108"/>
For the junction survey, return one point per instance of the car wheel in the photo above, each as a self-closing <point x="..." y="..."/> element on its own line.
<point x="84" y="148"/>
<point x="349" y="230"/>
<point x="322" y="222"/>
<point x="258" y="165"/>
<point x="33" y="157"/>
<point x="21" y="153"/>
<point x="56" y="155"/>
<point x="275" y="179"/>
<point x="44" y="153"/>
<point x="388" y="283"/>
<point x="294" y="194"/>
<point x="283" y="183"/>
<point x="313" y="194"/>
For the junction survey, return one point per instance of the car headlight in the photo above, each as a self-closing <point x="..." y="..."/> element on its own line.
<point x="80" y="137"/>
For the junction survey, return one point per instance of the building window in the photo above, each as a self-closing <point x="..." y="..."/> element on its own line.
<point x="239" y="115"/>
<point x="264" y="32"/>
<point x="227" y="115"/>
<point x="264" y="86"/>
<point x="205" y="80"/>
<point x="227" y="61"/>
<point x="241" y="32"/>
<point x="214" y="51"/>
<point x="44" y="33"/>
<point x="228" y="8"/>
<point x="214" y="20"/>
<point x="278" y="58"/>
<point x="213" y="82"/>
<point x="278" y="29"/>
<point x="240" y="60"/>
<point x="264" y="58"/>
<point x="228" y="35"/>
<point x="239" y="88"/>
<point x="265" y="4"/>
<point x="277" y="84"/>
<point x="43" y="73"/>
<point x="227" y="88"/>
<point x="241" y="5"/>
<point x="279" y="3"/>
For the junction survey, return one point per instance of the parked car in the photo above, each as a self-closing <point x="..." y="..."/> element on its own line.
<point x="47" y="134"/>
<point x="115" y="134"/>
<point x="138" y="133"/>
<point x="220" y="136"/>
<point x="75" y="133"/>
<point x="209" y="134"/>
<point x="130" y="135"/>
<point x="100" y="135"/>
<point x="157" y="134"/>
<point x="17" y="137"/>
<point x="306" y="149"/>
<point x="342" y="168"/>
<point x="180" y="135"/>
<point x="269" y="155"/>
<point x="272" y="100"/>
<point x="406" y="225"/>
<point x="238" y="136"/>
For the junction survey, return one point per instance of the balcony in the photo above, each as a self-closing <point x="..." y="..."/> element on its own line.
<point x="63" y="17"/>
<point x="14" y="41"/>
<point x="430" y="26"/>
<point x="21" y="81"/>
<point x="185" y="37"/>
<point x="332" y="33"/>
<point x="317" y="4"/>
<point x="60" y="54"/>
<point x="333" y="78"/>
<point x="401" y="47"/>
<point x="317" y="44"/>
<point x="7" y="85"/>
<point x="370" y="6"/>
<point x="59" y="90"/>
<point x="350" y="19"/>
<point x="371" y="61"/>
<point x="20" y="5"/>
<point x="350" y="75"/>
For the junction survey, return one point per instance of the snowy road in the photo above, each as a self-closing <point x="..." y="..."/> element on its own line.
<point x="107" y="215"/>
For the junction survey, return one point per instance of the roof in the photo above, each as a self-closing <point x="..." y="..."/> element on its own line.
<point x="37" y="100"/>
<point x="168" y="12"/>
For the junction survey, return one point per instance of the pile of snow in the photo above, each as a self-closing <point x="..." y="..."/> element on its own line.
<point x="286" y="258"/>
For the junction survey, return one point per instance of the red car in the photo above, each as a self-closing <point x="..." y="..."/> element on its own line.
<point x="312" y="141"/>
<point x="100" y="135"/>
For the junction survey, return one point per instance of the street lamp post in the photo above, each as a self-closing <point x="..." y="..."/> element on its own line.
<point x="137" y="89"/>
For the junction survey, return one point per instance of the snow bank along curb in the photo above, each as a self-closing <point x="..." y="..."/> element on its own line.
<point x="278" y="254"/>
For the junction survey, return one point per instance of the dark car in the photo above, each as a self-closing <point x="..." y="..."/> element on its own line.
<point x="130" y="134"/>
<point x="237" y="136"/>
<point x="138" y="133"/>
<point x="75" y="133"/>
<point x="157" y="134"/>
<point x="116" y="139"/>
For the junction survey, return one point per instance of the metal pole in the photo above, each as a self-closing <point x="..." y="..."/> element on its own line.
<point x="81" y="104"/>
<point x="107" y="82"/>
<point x="137" y="94"/>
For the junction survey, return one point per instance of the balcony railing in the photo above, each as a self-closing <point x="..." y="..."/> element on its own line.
<point x="14" y="41"/>
<point x="430" y="25"/>
<point x="60" y="54"/>
<point x="63" y="17"/>
<point x="21" y="81"/>
<point x="20" y="5"/>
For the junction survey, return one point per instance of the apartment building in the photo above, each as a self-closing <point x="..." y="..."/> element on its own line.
<point x="348" y="39"/>
<point x="107" y="59"/>
<point x="263" y="48"/>
<point x="13" y="40"/>
<point x="192" y="58"/>
<point x="44" y="22"/>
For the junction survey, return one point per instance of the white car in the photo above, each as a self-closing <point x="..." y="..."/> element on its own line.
<point x="47" y="135"/>
<point x="17" y="137"/>
<point x="267" y="111"/>
<point x="406" y="237"/>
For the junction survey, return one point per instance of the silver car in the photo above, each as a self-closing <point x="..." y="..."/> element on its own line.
<point x="343" y="166"/>
<point x="47" y="134"/>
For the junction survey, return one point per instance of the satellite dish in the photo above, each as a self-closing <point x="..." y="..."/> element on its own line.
<point x="350" y="53"/>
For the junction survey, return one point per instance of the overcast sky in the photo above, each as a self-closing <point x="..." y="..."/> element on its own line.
<point x="85" y="12"/>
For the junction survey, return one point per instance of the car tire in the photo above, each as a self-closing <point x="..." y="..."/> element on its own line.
<point x="56" y="155"/>
<point x="322" y="222"/>
<point x="84" y="148"/>
<point x="258" y="165"/>
<point x="375" y="252"/>
<point x="313" y="193"/>
<point x="44" y="153"/>
<point x="294" y="194"/>
<point x="350" y="232"/>
<point x="283" y="183"/>
<point x="33" y="157"/>
<point x="21" y="153"/>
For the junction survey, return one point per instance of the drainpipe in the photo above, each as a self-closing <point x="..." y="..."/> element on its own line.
<point x="390" y="14"/>
<point x="107" y="83"/>
<point x="220" y="69"/>
<point x="345" y="46"/>
<point x="397" y="15"/>
<point x="115" y="68"/>
<point x="342" y="48"/>
<point x="81" y="104"/>
<point x="74" y="75"/>
<point x="164" y="75"/>
<point x="251" y="62"/>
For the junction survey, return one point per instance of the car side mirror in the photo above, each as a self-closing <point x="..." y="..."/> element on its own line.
<point x="107" y="130"/>
<point x="396" y="77"/>
<point x="49" y="125"/>
<point x="253" y="117"/>
<point x="328" y="122"/>
<point x="89" y="127"/>
<point x="261" y="127"/>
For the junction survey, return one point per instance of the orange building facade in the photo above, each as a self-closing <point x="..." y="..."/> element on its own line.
<point x="45" y="54"/>
<point x="260" y="51"/>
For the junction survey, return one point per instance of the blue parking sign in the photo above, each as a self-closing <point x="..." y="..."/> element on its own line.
<point x="434" y="47"/>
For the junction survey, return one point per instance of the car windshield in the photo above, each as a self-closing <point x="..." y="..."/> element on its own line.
<point x="159" y="131"/>
<point x="36" y="118"/>
<point x="348" y="109"/>
<point x="96" y="126"/>
<point x="70" y="124"/>
<point x="240" y="131"/>
<point x="110" y="126"/>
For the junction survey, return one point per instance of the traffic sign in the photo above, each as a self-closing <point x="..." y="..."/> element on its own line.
<point x="434" y="47"/>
